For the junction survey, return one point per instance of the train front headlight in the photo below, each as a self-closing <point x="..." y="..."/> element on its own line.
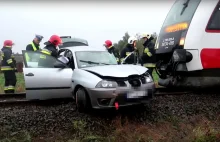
<point x="182" y="41"/>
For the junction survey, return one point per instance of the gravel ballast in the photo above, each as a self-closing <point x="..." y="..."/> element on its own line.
<point x="58" y="118"/>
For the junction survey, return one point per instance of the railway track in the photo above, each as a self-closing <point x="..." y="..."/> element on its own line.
<point x="20" y="98"/>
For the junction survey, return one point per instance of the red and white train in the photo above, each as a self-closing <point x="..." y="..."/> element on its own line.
<point x="188" y="45"/>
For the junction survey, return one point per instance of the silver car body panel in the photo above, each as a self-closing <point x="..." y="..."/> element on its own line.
<point x="47" y="83"/>
<point x="117" y="70"/>
<point x="85" y="79"/>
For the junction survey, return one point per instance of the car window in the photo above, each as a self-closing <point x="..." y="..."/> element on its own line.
<point x="214" y="23"/>
<point x="69" y="42"/>
<point x="94" y="58"/>
<point x="39" y="60"/>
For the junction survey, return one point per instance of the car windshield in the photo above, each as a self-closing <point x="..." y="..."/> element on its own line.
<point x="94" y="58"/>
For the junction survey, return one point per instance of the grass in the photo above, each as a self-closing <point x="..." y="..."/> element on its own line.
<point x="20" y="86"/>
<point x="199" y="129"/>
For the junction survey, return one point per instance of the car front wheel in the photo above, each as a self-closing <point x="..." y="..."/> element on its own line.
<point x="82" y="100"/>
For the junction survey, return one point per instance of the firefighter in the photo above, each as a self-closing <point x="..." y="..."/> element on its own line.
<point x="148" y="56"/>
<point x="51" y="49"/>
<point x="33" y="46"/>
<point x="8" y="67"/>
<point x="128" y="50"/>
<point x="111" y="49"/>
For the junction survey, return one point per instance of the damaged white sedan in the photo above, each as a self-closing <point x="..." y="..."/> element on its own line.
<point x="90" y="76"/>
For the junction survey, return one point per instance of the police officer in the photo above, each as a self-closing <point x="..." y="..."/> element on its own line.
<point x="8" y="66"/>
<point x="111" y="49"/>
<point x="50" y="49"/>
<point x="126" y="55"/>
<point x="34" y="46"/>
<point x="148" y="56"/>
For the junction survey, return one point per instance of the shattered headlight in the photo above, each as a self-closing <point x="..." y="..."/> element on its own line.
<point x="106" y="84"/>
<point x="147" y="77"/>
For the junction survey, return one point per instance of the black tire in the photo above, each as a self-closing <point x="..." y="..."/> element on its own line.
<point x="82" y="100"/>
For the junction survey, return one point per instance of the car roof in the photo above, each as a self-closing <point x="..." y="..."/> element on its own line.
<point x="84" y="48"/>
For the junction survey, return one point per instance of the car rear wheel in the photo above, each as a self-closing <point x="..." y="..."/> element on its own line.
<point x="82" y="100"/>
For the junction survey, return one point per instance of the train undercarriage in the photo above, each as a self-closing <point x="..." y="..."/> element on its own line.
<point x="172" y="70"/>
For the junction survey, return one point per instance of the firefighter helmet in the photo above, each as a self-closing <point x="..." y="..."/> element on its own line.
<point x="108" y="43"/>
<point x="8" y="43"/>
<point x="55" y="40"/>
<point x="132" y="39"/>
<point x="146" y="35"/>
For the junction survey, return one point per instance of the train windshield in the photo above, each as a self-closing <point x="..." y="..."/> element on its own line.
<point x="181" y="11"/>
<point x="175" y="26"/>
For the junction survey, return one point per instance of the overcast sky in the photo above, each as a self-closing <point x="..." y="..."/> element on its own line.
<point x="91" y="20"/>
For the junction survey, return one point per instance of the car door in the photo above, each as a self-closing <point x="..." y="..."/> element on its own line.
<point x="45" y="81"/>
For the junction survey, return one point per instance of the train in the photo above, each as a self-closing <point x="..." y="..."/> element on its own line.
<point x="188" y="45"/>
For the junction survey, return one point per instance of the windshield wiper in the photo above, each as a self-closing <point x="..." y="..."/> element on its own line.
<point x="185" y="5"/>
<point x="90" y="62"/>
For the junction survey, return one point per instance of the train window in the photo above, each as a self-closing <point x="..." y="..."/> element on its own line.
<point x="214" y="23"/>
<point x="181" y="11"/>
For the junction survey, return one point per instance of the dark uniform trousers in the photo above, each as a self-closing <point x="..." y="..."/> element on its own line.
<point x="10" y="81"/>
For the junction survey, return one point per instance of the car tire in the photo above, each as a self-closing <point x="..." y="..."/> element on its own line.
<point x="82" y="100"/>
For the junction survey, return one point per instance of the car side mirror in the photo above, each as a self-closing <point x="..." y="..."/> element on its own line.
<point x="59" y="65"/>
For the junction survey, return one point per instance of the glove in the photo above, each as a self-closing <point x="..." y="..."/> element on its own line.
<point x="16" y="70"/>
<point x="146" y="51"/>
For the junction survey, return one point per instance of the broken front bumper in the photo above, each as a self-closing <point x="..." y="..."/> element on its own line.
<point x="109" y="97"/>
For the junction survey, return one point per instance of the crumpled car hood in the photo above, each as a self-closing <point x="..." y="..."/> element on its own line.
<point x="117" y="70"/>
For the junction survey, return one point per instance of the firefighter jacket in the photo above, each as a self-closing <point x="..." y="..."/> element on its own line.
<point x="50" y="50"/>
<point x="111" y="50"/>
<point x="148" y="57"/>
<point x="8" y="62"/>
<point x="126" y="54"/>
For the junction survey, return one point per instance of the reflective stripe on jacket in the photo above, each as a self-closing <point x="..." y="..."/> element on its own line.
<point x="149" y="65"/>
<point x="34" y="49"/>
<point x="7" y="68"/>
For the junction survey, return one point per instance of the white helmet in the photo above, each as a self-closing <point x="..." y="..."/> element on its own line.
<point x="132" y="39"/>
<point x="146" y="35"/>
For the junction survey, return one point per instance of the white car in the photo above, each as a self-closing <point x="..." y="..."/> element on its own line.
<point x="92" y="77"/>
